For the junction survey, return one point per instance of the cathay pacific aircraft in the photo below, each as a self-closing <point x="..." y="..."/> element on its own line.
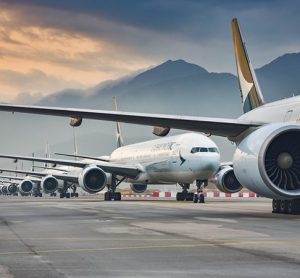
<point x="180" y="159"/>
<point x="267" y="135"/>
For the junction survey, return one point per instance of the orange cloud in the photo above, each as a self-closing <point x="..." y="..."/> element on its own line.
<point x="69" y="58"/>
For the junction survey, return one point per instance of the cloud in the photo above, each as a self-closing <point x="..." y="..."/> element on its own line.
<point x="35" y="84"/>
<point x="92" y="41"/>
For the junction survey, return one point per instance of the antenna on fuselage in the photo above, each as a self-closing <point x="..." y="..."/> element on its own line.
<point x="120" y="141"/>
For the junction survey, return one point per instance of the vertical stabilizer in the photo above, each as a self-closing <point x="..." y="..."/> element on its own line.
<point x="120" y="141"/>
<point x="249" y="87"/>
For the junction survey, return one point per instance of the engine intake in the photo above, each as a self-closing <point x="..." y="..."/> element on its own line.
<point x="227" y="182"/>
<point x="92" y="179"/>
<point x="49" y="184"/>
<point x="12" y="188"/>
<point x="26" y="186"/>
<point x="268" y="161"/>
<point x="138" y="188"/>
<point x="4" y="190"/>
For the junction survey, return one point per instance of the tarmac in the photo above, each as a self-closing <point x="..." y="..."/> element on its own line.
<point x="87" y="237"/>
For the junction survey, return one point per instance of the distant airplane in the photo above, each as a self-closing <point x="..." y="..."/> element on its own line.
<point x="176" y="159"/>
<point x="267" y="136"/>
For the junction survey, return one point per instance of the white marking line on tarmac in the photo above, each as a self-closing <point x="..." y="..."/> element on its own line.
<point x="224" y="220"/>
<point x="145" y="247"/>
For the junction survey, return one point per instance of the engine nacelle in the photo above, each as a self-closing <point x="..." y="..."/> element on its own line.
<point x="4" y="189"/>
<point x="138" y="188"/>
<point x="12" y="188"/>
<point x="26" y="186"/>
<point x="268" y="161"/>
<point x="49" y="184"/>
<point x="227" y="182"/>
<point x="92" y="179"/>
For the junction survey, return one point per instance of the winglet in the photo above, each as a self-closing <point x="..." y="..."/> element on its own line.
<point x="249" y="87"/>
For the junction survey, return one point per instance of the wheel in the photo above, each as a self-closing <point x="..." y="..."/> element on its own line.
<point x="68" y="195"/>
<point x="276" y="206"/>
<point x="40" y="195"/>
<point x="290" y="206"/>
<point x="179" y="196"/>
<point x="201" y="198"/>
<point x="283" y="206"/>
<point x="54" y="194"/>
<point x="195" y="198"/>
<point x="117" y="196"/>
<point x="190" y="196"/>
<point x="62" y="195"/>
<point x="72" y="194"/>
<point x="107" y="196"/>
<point x="76" y="195"/>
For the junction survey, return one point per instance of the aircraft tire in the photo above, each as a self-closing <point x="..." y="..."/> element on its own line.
<point x="201" y="199"/>
<point x="195" y="198"/>
<point x="117" y="196"/>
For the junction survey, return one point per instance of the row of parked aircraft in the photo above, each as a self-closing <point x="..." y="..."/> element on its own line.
<point x="266" y="160"/>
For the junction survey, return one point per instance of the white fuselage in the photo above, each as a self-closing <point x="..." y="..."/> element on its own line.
<point x="166" y="160"/>
<point x="286" y="110"/>
<point x="170" y="159"/>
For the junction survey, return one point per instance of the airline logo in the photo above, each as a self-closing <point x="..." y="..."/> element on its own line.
<point x="251" y="95"/>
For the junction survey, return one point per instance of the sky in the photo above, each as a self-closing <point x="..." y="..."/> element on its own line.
<point x="47" y="46"/>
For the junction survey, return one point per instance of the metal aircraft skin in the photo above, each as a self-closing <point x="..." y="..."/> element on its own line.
<point x="175" y="159"/>
<point x="267" y="156"/>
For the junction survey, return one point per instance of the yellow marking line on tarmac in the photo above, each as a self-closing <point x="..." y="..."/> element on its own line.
<point x="145" y="247"/>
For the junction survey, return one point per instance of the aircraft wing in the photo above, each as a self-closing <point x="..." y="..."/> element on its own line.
<point x="117" y="169"/>
<point x="215" y="126"/>
<point x="66" y="177"/>
<point x="17" y="178"/>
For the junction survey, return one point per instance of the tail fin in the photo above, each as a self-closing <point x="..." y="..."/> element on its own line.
<point x="120" y="141"/>
<point x="47" y="153"/>
<point x="249" y="87"/>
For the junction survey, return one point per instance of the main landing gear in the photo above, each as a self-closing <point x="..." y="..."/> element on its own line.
<point x="286" y="206"/>
<point x="199" y="196"/>
<point x="185" y="195"/>
<point x="111" y="193"/>
<point x="64" y="191"/>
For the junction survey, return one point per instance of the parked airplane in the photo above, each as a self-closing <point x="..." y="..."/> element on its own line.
<point x="176" y="159"/>
<point x="267" y="157"/>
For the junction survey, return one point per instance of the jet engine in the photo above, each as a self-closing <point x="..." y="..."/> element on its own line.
<point x="4" y="189"/>
<point x="138" y="188"/>
<point x="227" y="182"/>
<point x="268" y="161"/>
<point x="26" y="186"/>
<point x="49" y="184"/>
<point x="12" y="188"/>
<point x="92" y="179"/>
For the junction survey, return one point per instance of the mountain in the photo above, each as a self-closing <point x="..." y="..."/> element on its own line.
<point x="173" y="87"/>
<point x="280" y="78"/>
<point x="176" y="87"/>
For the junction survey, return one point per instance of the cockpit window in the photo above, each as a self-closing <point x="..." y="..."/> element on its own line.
<point x="204" y="150"/>
<point x="213" y="150"/>
<point x="195" y="150"/>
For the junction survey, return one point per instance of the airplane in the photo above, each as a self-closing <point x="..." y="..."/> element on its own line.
<point x="25" y="185"/>
<point x="176" y="159"/>
<point x="8" y="188"/>
<point x="266" y="159"/>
